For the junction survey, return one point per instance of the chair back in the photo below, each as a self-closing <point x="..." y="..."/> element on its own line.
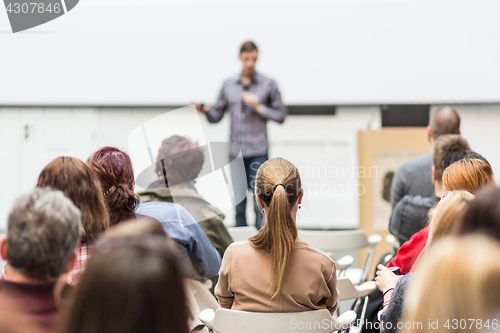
<point x="342" y="240"/>
<point x="347" y="290"/>
<point x="328" y="240"/>
<point x="233" y="321"/>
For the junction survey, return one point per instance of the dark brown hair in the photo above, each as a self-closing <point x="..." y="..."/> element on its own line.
<point x="113" y="169"/>
<point x="78" y="182"/>
<point x="483" y="213"/>
<point x="451" y="157"/>
<point x="443" y="146"/>
<point x="180" y="160"/>
<point x="248" y="46"/>
<point x="278" y="185"/>
<point x="130" y="285"/>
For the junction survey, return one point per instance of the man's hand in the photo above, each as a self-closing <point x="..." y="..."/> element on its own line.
<point x="200" y="107"/>
<point x="250" y="99"/>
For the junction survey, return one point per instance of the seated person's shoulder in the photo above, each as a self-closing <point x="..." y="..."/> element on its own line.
<point x="410" y="215"/>
<point x="166" y="212"/>
<point x="155" y="208"/>
<point x="303" y="248"/>
<point x="415" y="164"/>
<point x="244" y="244"/>
<point x="418" y="161"/>
<point x="415" y="202"/>
<point x="240" y="250"/>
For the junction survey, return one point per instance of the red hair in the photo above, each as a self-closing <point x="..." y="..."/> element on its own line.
<point x="467" y="174"/>
<point x="113" y="169"/>
<point x="77" y="181"/>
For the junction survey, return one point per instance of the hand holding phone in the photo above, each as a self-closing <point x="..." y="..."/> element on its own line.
<point x="395" y="270"/>
<point x="386" y="277"/>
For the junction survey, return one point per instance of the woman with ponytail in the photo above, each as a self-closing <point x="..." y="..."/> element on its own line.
<point x="274" y="271"/>
<point x="113" y="169"/>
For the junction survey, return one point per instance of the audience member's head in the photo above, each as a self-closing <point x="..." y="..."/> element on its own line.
<point x="113" y="169"/>
<point x="445" y="217"/>
<point x="130" y="285"/>
<point x="443" y="120"/>
<point x="445" y="145"/>
<point x="179" y="160"/>
<point x="467" y="175"/>
<point x="457" y="281"/>
<point x="483" y="213"/>
<point x="279" y="191"/>
<point x="451" y="157"/>
<point x="43" y="231"/>
<point x="78" y="183"/>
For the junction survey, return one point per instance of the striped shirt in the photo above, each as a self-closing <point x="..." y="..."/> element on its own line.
<point x="248" y="128"/>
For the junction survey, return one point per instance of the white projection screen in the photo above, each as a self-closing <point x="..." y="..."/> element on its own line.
<point x="173" y="52"/>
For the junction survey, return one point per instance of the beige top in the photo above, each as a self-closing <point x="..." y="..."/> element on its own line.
<point x="309" y="283"/>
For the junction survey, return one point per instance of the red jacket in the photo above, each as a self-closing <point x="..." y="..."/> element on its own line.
<point x="409" y="251"/>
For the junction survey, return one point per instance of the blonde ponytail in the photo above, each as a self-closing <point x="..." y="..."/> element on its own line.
<point x="278" y="185"/>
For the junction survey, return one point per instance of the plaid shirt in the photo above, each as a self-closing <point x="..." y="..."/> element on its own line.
<point x="248" y="128"/>
<point x="81" y="261"/>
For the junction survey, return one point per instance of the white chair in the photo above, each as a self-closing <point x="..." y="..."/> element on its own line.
<point x="242" y="233"/>
<point x="392" y="241"/>
<point x="198" y="297"/>
<point x="233" y="321"/>
<point x="329" y="241"/>
<point x="348" y="291"/>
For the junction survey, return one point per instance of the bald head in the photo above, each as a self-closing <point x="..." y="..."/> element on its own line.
<point x="444" y="120"/>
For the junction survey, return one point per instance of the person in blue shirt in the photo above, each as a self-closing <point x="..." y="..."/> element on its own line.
<point x="187" y="234"/>
<point x="114" y="171"/>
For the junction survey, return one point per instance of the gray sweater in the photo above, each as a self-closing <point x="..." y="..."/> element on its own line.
<point x="413" y="177"/>
<point x="392" y="315"/>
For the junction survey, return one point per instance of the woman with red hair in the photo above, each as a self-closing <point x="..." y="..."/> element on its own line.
<point x="77" y="181"/>
<point x="113" y="169"/>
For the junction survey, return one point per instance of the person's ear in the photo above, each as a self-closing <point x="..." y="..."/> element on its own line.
<point x="261" y="202"/>
<point x="3" y="247"/>
<point x="429" y="132"/>
<point x="300" y="197"/>
<point x="71" y="263"/>
<point x="433" y="174"/>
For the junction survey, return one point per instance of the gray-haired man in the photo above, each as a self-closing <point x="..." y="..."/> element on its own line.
<point x="43" y="230"/>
